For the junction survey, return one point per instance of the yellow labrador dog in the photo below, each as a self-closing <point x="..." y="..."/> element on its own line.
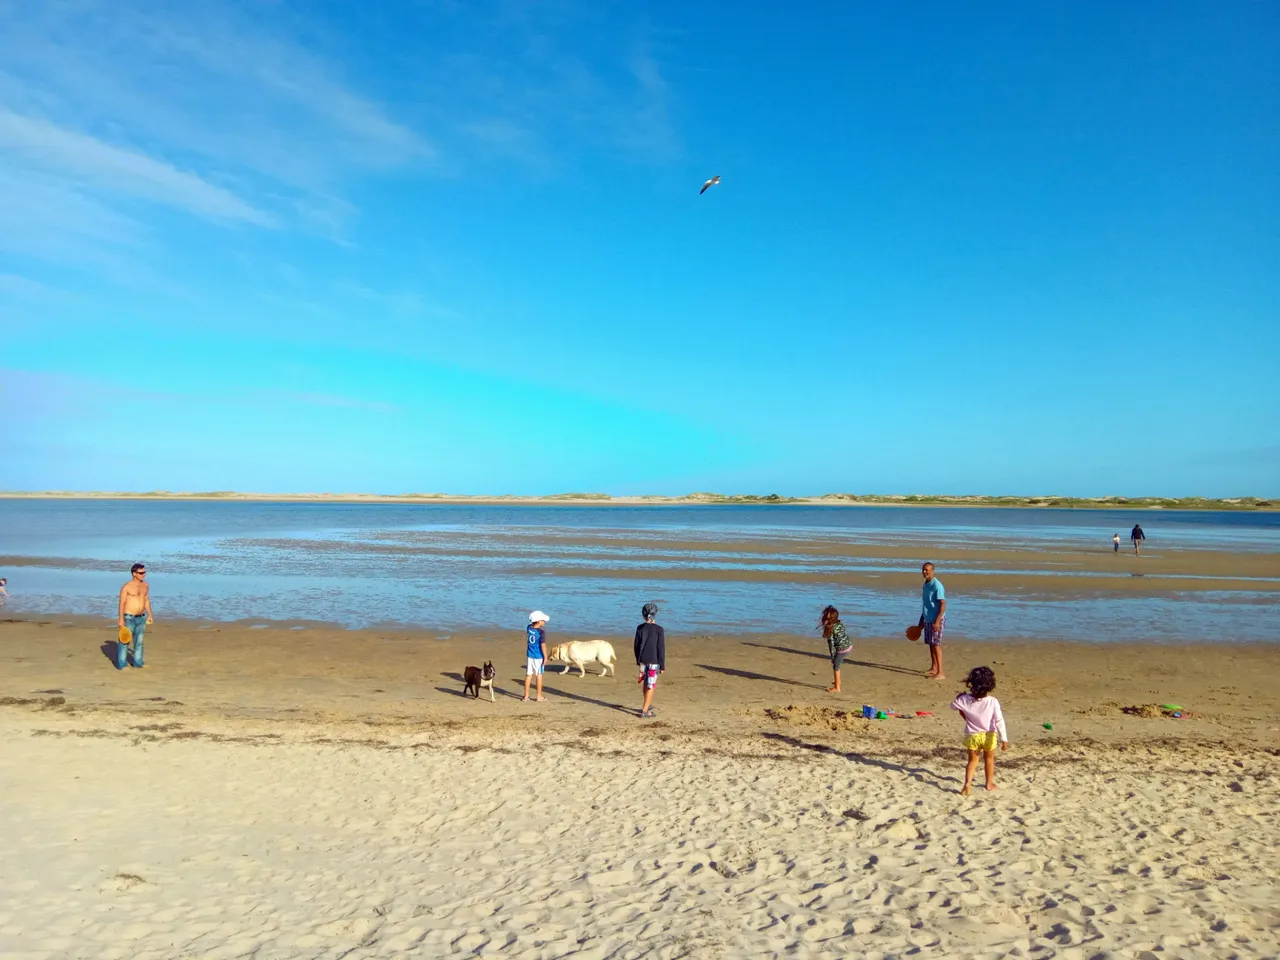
<point x="579" y="652"/>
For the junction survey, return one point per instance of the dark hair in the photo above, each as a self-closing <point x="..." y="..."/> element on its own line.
<point x="980" y="681"/>
<point x="828" y="619"/>
<point x="136" y="567"/>
<point x="649" y="610"/>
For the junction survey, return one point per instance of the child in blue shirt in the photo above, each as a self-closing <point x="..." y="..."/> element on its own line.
<point x="535" y="651"/>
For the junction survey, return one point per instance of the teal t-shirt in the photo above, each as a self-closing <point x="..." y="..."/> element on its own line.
<point x="930" y="597"/>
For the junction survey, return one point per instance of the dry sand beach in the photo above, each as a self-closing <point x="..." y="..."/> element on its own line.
<point x="324" y="793"/>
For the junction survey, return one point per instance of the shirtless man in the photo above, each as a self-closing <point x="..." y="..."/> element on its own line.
<point x="134" y="615"/>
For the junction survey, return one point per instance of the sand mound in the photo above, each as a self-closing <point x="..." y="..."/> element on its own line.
<point x="817" y="717"/>
<point x="828" y="718"/>
<point x="1152" y="711"/>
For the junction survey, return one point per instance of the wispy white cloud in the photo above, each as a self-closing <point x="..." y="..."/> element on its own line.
<point x="51" y="218"/>
<point x="554" y="83"/>
<point x="236" y="56"/>
<point x="207" y="109"/>
<point x="649" y="127"/>
<point x="531" y="106"/>
<point x="250" y="116"/>
<point x="126" y="172"/>
<point x="11" y="284"/>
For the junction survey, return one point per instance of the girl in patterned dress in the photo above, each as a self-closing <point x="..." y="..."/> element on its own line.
<point x="838" y="642"/>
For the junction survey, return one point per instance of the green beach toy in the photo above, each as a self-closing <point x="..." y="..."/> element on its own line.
<point x="1047" y="726"/>
<point x="880" y="715"/>
<point x="1169" y="706"/>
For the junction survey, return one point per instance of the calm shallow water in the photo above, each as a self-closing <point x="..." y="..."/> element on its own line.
<point x="449" y="567"/>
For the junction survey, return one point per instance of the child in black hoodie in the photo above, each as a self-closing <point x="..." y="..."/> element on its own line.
<point x="651" y="655"/>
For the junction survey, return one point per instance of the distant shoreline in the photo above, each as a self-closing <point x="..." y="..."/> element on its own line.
<point x="1232" y="504"/>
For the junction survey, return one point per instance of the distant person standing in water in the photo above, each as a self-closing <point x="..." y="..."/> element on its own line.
<point x="134" y="614"/>
<point x="933" y="607"/>
<point x="1137" y="536"/>
<point x="4" y="594"/>
<point x="1115" y="543"/>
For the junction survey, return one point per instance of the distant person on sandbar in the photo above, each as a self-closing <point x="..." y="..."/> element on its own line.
<point x="1137" y="536"/>
<point x="535" y="652"/>
<point x="134" y="614"/>
<point x="651" y="655"/>
<point x="1115" y="543"/>
<point x="933" y="607"/>
<point x="4" y="594"/>
<point x="838" y="642"/>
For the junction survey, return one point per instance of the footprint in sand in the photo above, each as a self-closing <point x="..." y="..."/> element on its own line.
<point x="124" y="883"/>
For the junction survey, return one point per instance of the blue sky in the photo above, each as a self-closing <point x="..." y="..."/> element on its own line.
<point x="446" y="246"/>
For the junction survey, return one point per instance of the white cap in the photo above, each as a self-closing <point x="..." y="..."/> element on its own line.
<point x="537" y="615"/>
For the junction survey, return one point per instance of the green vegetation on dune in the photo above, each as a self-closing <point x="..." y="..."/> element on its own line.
<point x="742" y="498"/>
<point x="870" y="499"/>
<point x="1086" y="503"/>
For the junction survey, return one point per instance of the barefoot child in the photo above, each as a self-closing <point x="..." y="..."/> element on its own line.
<point x="535" y="651"/>
<point x="933" y="613"/>
<point x="651" y="655"/>
<point x="838" y="642"/>
<point x="983" y="722"/>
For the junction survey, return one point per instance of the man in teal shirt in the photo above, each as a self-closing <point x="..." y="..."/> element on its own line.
<point x="933" y="607"/>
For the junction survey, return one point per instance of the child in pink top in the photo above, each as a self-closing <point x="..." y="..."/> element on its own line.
<point x="983" y="723"/>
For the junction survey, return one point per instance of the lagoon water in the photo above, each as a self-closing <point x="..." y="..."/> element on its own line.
<point x="734" y="569"/>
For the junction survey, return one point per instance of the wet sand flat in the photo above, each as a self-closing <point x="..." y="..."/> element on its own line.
<point x="1202" y="576"/>
<point x="1054" y="570"/>
<point x="328" y="793"/>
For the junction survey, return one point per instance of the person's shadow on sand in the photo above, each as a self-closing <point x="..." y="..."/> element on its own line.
<point x="892" y="668"/>
<point x="798" y="653"/>
<point x="920" y="774"/>
<point x="109" y="651"/>
<point x="577" y="696"/>
<point x="748" y="675"/>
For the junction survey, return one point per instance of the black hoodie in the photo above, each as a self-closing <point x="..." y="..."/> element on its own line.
<point x="651" y="645"/>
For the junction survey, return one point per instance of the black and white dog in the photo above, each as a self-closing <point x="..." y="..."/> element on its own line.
<point x="475" y="677"/>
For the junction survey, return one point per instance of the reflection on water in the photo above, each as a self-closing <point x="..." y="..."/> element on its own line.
<point x="450" y="567"/>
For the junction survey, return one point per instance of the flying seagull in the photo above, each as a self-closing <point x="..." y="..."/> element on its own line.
<point x="710" y="183"/>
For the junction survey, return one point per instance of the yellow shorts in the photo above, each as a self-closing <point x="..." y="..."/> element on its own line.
<point x="981" y="741"/>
